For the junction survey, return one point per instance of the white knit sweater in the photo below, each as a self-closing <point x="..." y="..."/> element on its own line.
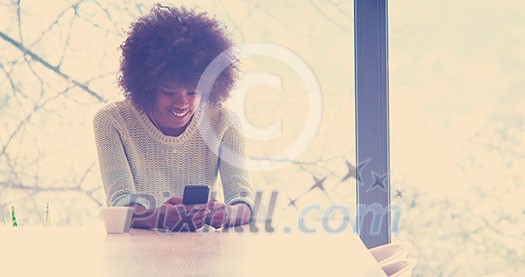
<point x="141" y="165"/>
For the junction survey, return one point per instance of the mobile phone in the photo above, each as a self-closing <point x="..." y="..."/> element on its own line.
<point x="195" y="194"/>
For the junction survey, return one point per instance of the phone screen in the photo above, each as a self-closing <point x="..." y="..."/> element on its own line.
<point x="195" y="194"/>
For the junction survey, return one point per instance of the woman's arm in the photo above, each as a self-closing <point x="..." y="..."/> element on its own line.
<point x="114" y="167"/>
<point x="228" y="215"/>
<point x="145" y="218"/>
<point x="240" y="214"/>
<point x="238" y="192"/>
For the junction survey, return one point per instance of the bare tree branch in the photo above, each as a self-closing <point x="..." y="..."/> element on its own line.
<point x="55" y="69"/>
<point x="8" y="75"/>
<point x="26" y="119"/>
<point x="329" y="18"/>
<point x="55" y="22"/>
<point x="88" y="170"/>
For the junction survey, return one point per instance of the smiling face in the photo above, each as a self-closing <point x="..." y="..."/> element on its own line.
<point x="174" y="108"/>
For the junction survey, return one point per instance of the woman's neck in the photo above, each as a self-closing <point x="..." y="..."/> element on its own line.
<point x="174" y="132"/>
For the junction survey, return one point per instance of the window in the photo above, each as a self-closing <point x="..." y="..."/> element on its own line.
<point x="59" y="64"/>
<point x="457" y="134"/>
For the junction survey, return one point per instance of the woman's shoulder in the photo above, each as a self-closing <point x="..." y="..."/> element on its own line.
<point x="113" y="110"/>
<point x="223" y="115"/>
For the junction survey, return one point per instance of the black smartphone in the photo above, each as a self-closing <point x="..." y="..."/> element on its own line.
<point x="195" y="194"/>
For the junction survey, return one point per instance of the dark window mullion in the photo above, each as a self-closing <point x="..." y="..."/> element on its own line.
<point x="372" y="125"/>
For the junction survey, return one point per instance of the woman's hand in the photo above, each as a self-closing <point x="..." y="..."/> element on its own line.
<point x="172" y="215"/>
<point x="227" y="215"/>
<point x="176" y="216"/>
<point x="218" y="215"/>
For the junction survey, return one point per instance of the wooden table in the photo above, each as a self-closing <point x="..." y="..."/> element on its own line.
<point x="69" y="251"/>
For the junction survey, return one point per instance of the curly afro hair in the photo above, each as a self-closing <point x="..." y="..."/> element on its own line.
<point x="174" y="45"/>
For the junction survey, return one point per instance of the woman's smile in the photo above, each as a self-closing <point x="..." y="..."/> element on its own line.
<point x="180" y="114"/>
<point x="174" y="108"/>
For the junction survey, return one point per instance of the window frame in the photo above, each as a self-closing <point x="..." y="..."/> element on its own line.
<point x="372" y="121"/>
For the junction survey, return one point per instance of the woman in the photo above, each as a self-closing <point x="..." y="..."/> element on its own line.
<point x="154" y="142"/>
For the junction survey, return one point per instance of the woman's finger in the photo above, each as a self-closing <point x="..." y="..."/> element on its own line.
<point x="217" y="223"/>
<point x="215" y="205"/>
<point x="199" y="215"/>
<point x="174" y="201"/>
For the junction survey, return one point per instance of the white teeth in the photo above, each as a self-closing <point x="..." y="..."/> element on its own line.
<point x="180" y="114"/>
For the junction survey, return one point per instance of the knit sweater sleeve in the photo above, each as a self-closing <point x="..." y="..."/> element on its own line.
<point x="232" y="167"/>
<point x="114" y="167"/>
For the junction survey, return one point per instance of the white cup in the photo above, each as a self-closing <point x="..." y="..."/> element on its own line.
<point x="117" y="219"/>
